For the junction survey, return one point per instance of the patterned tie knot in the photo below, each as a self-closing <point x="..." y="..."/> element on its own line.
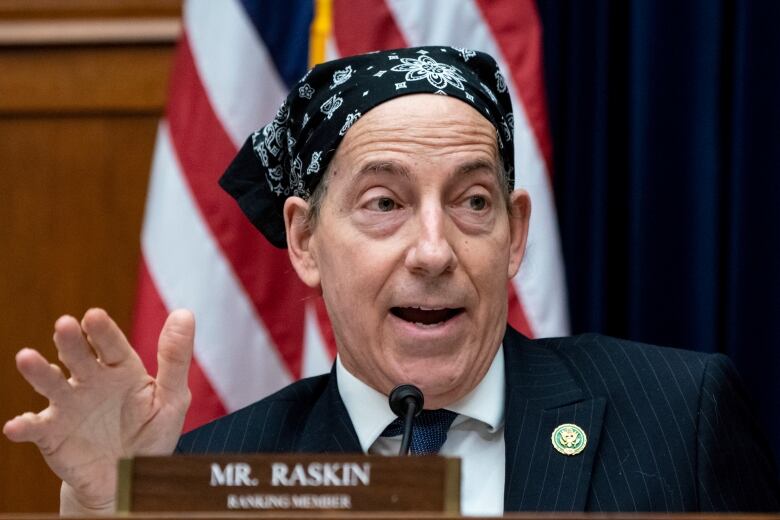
<point x="429" y="430"/>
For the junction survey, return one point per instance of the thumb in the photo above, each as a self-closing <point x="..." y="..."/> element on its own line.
<point x="174" y="350"/>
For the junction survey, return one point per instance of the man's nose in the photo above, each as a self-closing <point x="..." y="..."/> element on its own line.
<point x="431" y="253"/>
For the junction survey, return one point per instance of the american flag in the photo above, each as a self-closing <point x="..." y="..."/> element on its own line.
<point x="258" y="327"/>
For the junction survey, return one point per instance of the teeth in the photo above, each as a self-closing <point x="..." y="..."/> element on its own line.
<point x="427" y="325"/>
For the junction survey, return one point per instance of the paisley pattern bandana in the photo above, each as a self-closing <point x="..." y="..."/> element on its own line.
<point x="289" y="156"/>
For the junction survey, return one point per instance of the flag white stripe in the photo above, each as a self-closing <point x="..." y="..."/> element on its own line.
<point x="316" y="358"/>
<point x="189" y="270"/>
<point x="234" y="65"/>
<point x="540" y="283"/>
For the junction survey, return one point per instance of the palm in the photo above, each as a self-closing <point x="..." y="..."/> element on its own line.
<point x="109" y="408"/>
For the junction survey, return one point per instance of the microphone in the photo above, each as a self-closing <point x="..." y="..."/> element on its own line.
<point x="406" y="401"/>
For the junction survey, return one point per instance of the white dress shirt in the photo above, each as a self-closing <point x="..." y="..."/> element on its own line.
<point x="476" y="435"/>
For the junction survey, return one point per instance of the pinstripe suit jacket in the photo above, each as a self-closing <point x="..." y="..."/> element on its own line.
<point x="668" y="430"/>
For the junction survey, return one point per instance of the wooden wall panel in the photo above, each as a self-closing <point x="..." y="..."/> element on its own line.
<point x="48" y="9"/>
<point x="71" y="202"/>
<point x="77" y="130"/>
<point x="83" y="79"/>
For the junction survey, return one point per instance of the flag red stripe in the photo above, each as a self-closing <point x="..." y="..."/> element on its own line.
<point x="148" y="319"/>
<point x="204" y="151"/>
<point x="516" y="27"/>
<point x="364" y="25"/>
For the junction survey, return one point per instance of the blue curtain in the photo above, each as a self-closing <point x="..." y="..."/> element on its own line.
<point x="665" y="117"/>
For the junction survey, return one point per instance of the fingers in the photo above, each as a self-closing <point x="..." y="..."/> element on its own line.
<point x="73" y="349"/>
<point x="49" y="381"/>
<point x="174" y="350"/>
<point x="23" y="428"/>
<point x="105" y="337"/>
<point x="45" y="378"/>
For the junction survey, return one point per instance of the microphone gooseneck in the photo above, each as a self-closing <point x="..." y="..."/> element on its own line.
<point x="406" y="401"/>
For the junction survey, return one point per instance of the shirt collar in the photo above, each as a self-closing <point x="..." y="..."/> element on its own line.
<point x="370" y="413"/>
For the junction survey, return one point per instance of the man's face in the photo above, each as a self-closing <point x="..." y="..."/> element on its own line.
<point x="414" y="245"/>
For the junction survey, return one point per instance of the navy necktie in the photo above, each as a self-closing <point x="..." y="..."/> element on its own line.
<point x="429" y="431"/>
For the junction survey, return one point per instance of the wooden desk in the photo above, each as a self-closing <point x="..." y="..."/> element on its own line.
<point x="407" y="516"/>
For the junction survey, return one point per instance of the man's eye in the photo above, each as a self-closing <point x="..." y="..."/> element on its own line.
<point x="384" y="204"/>
<point x="477" y="202"/>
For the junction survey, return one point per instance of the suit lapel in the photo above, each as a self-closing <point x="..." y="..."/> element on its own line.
<point x="328" y="429"/>
<point x="541" y="395"/>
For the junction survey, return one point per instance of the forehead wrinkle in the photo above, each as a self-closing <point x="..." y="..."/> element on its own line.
<point x="437" y="132"/>
<point x="398" y="133"/>
<point x="430" y="142"/>
<point x="470" y="169"/>
<point x="429" y="130"/>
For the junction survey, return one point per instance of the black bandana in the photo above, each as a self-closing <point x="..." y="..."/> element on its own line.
<point x="289" y="156"/>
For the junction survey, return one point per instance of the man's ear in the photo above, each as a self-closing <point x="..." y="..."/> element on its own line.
<point x="299" y="241"/>
<point x="519" y="217"/>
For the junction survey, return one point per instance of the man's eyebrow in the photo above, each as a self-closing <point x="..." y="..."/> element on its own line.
<point x="384" y="167"/>
<point x="398" y="169"/>
<point x="477" y="165"/>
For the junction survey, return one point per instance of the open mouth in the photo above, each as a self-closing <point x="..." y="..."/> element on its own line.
<point x="422" y="316"/>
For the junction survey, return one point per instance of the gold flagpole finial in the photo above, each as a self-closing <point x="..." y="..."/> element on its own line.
<point x="320" y="31"/>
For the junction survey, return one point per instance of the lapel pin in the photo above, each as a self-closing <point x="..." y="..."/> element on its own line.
<point x="569" y="439"/>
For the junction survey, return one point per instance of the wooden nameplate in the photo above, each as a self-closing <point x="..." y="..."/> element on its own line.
<point x="294" y="482"/>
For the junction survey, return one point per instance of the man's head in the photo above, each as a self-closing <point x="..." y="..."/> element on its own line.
<point x="388" y="176"/>
<point x="290" y="155"/>
<point x="413" y="246"/>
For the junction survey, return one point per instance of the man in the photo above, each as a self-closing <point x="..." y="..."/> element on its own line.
<point x="388" y="176"/>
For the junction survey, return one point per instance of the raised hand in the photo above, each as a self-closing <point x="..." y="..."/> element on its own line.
<point x="109" y="408"/>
